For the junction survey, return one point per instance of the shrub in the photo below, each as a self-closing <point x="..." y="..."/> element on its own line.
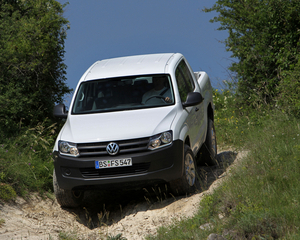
<point x="6" y="192"/>
<point x="289" y="88"/>
<point x="26" y="160"/>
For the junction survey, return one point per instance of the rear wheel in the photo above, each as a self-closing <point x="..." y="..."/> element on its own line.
<point x="66" y="198"/>
<point x="189" y="182"/>
<point x="209" y="147"/>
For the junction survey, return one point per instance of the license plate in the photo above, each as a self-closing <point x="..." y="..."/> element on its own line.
<point x="113" y="163"/>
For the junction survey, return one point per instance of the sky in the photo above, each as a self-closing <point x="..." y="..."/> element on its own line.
<point x="102" y="29"/>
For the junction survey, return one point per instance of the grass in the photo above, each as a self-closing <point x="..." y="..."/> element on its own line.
<point x="26" y="163"/>
<point x="2" y="222"/>
<point x="67" y="236"/>
<point x="261" y="199"/>
<point x="7" y="192"/>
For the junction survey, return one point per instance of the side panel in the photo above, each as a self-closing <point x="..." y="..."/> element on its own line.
<point x="189" y="122"/>
<point x="198" y="121"/>
<point x="206" y="89"/>
<point x="205" y="85"/>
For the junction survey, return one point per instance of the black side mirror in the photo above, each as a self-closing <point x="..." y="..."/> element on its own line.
<point x="60" y="111"/>
<point x="193" y="98"/>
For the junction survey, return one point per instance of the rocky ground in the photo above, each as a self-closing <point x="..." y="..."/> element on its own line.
<point x="135" y="214"/>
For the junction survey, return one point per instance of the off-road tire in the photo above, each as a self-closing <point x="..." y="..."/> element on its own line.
<point x="208" y="151"/>
<point x="189" y="182"/>
<point x="66" y="198"/>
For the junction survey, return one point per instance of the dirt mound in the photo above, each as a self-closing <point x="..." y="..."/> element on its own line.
<point x="134" y="214"/>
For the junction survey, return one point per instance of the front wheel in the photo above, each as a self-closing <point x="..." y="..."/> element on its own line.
<point x="189" y="182"/>
<point x="66" y="198"/>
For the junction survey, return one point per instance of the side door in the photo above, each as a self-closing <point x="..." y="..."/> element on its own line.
<point x="186" y="84"/>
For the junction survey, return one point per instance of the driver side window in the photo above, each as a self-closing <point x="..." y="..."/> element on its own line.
<point x="184" y="80"/>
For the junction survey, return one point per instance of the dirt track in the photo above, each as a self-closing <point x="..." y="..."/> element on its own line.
<point x="134" y="214"/>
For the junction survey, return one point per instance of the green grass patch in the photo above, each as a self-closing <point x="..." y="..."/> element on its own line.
<point x="26" y="162"/>
<point x="6" y="192"/>
<point x="261" y="198"/>
<point x="67" y="236"/>
<point x="2" y="222"/>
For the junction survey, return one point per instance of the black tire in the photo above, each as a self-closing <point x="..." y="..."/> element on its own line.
<point x="189" y="182"/>
<point x="208" y="150"/>
<point x="66" y="198"/>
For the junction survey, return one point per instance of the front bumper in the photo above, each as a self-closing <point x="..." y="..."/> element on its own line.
<point x="161" y="165"/>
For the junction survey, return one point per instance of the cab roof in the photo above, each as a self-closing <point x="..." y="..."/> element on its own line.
<point x="130" y="66"/>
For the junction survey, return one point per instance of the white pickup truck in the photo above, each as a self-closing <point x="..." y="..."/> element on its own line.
<point x="133" y="122"/>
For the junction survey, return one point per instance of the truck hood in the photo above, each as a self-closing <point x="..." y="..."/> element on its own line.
<point x="115" y="126"/>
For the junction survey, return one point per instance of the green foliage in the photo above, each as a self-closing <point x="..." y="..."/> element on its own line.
<point x="7" y="192"/>
<point x="32" y="35"/>
<point x="184" y="229"/>
<point x="207" y="208"/>
<point x="289" y="88"/>
<point x="260" y="197"/>
<point x="26" y="162"/>
<point x="234" y="122"/>
<point x="2" y="222"/>
<point x="264" y="38"/>
<point x="67" y="236"/>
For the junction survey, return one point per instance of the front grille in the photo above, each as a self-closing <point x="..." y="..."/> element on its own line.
<point x="118" y="171"/>
<point x="126" y="146"/>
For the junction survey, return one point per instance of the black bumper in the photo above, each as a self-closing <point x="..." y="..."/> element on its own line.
<point x="162" y="165"/>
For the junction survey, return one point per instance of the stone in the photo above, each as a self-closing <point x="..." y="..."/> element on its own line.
<point x="206" y="226"/>
<point x="215" y="236"/>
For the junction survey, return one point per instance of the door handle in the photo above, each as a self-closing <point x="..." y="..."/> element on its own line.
<point x="196" y="109"/>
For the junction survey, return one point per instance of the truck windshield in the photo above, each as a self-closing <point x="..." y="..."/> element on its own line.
<point x="123" y="93"/>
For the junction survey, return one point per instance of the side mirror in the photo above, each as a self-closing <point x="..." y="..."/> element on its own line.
<point x="193" y="99"/>
<point x="60" y="111"/>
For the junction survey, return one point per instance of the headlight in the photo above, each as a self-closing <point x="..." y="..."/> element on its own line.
<point x="67" y="148"/>
<point x="160" y="140"/>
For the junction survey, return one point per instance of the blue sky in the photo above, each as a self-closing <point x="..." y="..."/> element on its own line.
<point x="101" y="29"/>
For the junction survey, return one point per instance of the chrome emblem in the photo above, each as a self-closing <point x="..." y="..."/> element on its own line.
<point x="112" y="148"/>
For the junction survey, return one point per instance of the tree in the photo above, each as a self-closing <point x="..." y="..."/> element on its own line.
<point x="264" y="38"/>
<point x="289" y="90"/>
<point x="32" y="72"/>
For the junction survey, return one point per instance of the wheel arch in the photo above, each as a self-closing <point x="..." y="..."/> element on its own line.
<point x="187" y="141"/>
<point x="210" y="111"/>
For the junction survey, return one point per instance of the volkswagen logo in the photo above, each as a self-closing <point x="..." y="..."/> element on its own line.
<point x="112" y="148"/>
